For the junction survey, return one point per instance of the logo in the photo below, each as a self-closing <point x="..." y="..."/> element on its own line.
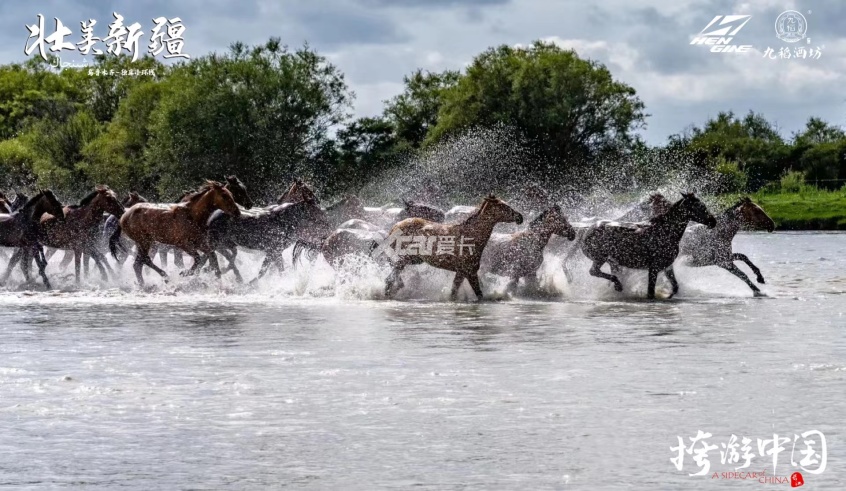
<point x="791" y="26"/>
<point x="796" y="480"/>
<point x="719" y="33"/>
<point x="398" y="244"/>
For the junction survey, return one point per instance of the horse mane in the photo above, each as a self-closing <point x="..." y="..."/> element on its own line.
<point x="478" y="211"/>
<point x="662" y="217"/>
<point x="32" y="201"/>
<point x="87" y="199"/>
<point x="742" y="201"/>
<point x="196" y="195"/>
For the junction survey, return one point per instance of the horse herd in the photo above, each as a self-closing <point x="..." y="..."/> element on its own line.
<point x="220" y="218"/>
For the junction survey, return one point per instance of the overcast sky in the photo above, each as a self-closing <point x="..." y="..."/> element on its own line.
<point x="643" y="43"/>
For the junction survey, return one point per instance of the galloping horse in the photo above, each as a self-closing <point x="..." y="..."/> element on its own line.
<point x="112" y="222"/>
<point x="80" y="228"/>
<point x="477" y="228"/>
<point x="183" y="225"/>
<point x="20" y="229"/>
<point x="712" y="247"/>
<point x="239" y="193"/>
<point x="270" y="230"/>
<point x="520" y="255"/>
<point x="417" y="210"/>
<point x="652" y="246"/>
<point x="655" y="205"/>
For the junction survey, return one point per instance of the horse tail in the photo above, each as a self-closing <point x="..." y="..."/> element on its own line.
<point x="302" y="246"/>
<point x="114" y="242"/>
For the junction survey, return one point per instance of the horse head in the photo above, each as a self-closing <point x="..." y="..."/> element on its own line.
<point x="497" y="210"/>
<point x="553" y="219"/>
<point x="104" y="199"/>
<point x="219" y="197"/>
<point x="46" y="202"/>
<point x="752" y="216"/>
<point x="693" y="209"/>
<point x="239" y="191"/>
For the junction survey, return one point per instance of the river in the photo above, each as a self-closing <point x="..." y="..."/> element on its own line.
<point x="306" y="382"/>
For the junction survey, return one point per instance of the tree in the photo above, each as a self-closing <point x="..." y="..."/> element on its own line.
<point x="368" y="146"/>
<point x="572" y="109"/>
<point x="261" y="113"/>
<point x="414" y="112"/>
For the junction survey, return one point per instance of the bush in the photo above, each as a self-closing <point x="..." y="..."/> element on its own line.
<point x="731" y="178"/>
<point x="793" y="182"/>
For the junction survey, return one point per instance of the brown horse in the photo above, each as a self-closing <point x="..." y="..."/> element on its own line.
<point x="520" y="255"/>
<point x="712" y="247"/>
<point x="239" y="193"/>
<point x="652" y="246"/>
<point x="298" y="191"/>
<point x="80" y="228"/>
<point x="472" y="234"/>
<point x="183" y="225"/>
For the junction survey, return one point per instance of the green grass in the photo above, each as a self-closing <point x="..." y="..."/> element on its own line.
<point x="807" y="209"/>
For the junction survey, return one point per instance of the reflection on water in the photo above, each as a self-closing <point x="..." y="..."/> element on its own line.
<point x="205" y="389"/>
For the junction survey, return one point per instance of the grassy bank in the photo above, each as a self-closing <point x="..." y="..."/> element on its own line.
<point x="808" y="209"/>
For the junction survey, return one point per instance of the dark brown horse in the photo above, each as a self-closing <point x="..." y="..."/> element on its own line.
<point x="520" y="255"/>
<point x="471" y="234"/>
<point x="652" y="246"/>
<point x="79" y="230"/>
<point x="20" y="229"/>
<point x="183" y="225"/>
<point x="712" y="247"/>
<point x="270" y="230"/>
<point x="656" y="204"/>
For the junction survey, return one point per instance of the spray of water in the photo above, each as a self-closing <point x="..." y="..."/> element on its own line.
<point x="458" y="171"/>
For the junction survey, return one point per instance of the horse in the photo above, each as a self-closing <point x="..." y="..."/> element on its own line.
<point x="653" y="246"/>
<point x="20" y="229"/>
<point x="656" y="204"/>
<point x="183" y="225"/>
<point x="477" y="227"/>
<point x="298" y="191"/>
<point x="712" y="247"/>
<point x="520" y="255"/>
<point x="78" y="229"/>
<point x="239" y="193"/>
<point x="270" y="230"/>
<point x="17" y="203"/>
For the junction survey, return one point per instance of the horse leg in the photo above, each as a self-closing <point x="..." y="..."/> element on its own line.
<point x="77" y="262"/>
<point x="231" y="259"/>
<point x="198" y="261"/>
<point x="512" y="285"/>
<point x="733" y="269"/>
<point x="67" y="257"/>
<point x="101" y="263"/>
<point x="177" y="259"/>
<point x="145" y="259"/>
<point x="742" y="257"/>
<point x="671" y="275"/>
<point x="86" y="265"/>
<point x="596" y="271"/>
<point x="532" y="282"/>
<point x="456" y="284"/>
<point x="394" y="279"/>
<point x="163" y="255"/>
<point x="212" y="257"/>
<point x="650" y="289"/>
<point x="41" y="261"/>
<point x="473" y="279"/>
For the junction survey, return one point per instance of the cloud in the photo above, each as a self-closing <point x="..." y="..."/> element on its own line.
<point x="645" y="44"/>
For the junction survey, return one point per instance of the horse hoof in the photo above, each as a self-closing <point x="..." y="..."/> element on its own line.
<point x="618" y="287"/>
<point x="761" y="280"/>
<point x="759" y="294"/>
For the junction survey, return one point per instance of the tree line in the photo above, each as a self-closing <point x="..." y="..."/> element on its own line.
<point x="269" y="113"/>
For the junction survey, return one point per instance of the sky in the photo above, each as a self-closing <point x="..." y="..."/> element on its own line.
<point x="645" y="44"/>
